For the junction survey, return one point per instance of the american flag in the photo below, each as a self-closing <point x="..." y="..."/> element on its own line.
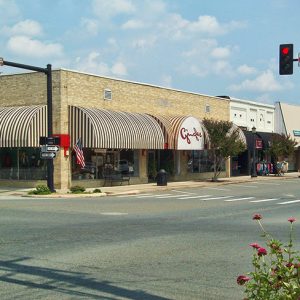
<point x="79" y="154"/>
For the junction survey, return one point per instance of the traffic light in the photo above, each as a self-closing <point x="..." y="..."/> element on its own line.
<point x="286" y="55"/>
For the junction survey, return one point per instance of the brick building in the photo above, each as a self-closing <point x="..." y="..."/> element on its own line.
<point x="121" y="124"/>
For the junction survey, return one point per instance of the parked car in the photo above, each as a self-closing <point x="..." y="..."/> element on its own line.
<point x="124" y="167"/>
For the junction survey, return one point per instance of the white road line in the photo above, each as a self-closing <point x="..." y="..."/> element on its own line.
<point x="163" y="195"/>
<point x="113" y="214"/>
<point x="189" y="193"/>
<point x="216" y="198"/>
<point x="248" y="186"/>
<point x="239" y="199"/>
<point x="264" y="200"/>
<point x="148" y="195"/>
<point x="169" y="196"/>
<point x="289" y="202"/>
<point x="268" y="183"/>
<point x="218" y="189"/>
<point x="194" y="197"/>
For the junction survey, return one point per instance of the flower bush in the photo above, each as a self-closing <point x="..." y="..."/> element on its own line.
<point x="276" y="269"/>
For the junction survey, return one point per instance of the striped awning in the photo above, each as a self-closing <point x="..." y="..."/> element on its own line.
<point x="182" y="132"/>
<point x="22" y="126"/>
<point x="100" y="128"/>
<point x="241" y="135"/>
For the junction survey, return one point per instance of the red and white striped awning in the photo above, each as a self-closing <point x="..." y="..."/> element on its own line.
<point x="182" y="132"/>
<point x="22" y="126"/>
<point x="101" y="128"/>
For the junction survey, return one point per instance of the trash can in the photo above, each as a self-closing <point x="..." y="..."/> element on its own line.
<point x="162" y="177"/>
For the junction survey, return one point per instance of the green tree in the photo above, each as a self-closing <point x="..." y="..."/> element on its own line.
<point x="224" y="141"/>
<point x="281" y="145"/>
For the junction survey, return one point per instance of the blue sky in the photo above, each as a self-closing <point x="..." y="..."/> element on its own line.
<point x="212" y="47"/>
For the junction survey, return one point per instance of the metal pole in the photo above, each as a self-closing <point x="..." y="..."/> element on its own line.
<point x="48" y="72"/>
<point x="254" y="174"/>
<point x="50" y="166"/>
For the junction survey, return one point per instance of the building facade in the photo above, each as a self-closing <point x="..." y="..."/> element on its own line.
<point x="253" y="117"/>
<point x="287" y="122"/>
<point x="122" y="125"/>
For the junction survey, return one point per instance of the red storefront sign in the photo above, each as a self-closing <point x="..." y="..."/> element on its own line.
<point x="258" y="144"/>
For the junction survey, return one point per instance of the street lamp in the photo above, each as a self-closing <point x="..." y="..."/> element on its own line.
<point x="253" y="173"/>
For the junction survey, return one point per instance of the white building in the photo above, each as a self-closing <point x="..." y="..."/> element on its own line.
<point x="247" y="114"/>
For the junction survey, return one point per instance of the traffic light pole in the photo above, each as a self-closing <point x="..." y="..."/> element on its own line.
<point x="48" y="72"/>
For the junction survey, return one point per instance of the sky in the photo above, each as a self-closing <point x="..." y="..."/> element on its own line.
<point x="211" y="47"/>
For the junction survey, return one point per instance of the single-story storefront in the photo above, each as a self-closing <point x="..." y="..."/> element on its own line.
<point x="121" y="125"/>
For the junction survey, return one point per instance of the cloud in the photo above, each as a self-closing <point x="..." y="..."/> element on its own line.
<point x="26" y="27"/>
<point x="246" y="70"/>
<point x="93" y="63"/>
<point x="166" y="81"/>
<point x="220" y="52"/>
<point x="144" y="43"/>
<point x="91" y="26"/>
<point x="119" y="69"/>
<point x="133" y="24"/>
<point x="264" y="82"/>
<point x="106" y="9"/>
<point x="26" y="46"/>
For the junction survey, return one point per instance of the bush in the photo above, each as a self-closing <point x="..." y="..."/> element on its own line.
<point x="77" y="189"/>
<point x="276" y="274"/>
<point x="40" y="190"/>
<point x="96" y="191"/>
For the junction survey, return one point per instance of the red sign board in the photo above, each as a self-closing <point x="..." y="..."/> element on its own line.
<point x="258" y="144"/>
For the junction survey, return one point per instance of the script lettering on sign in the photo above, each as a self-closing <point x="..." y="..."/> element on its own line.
<point x="190" y="135"/>
<point x="186" y="135"/>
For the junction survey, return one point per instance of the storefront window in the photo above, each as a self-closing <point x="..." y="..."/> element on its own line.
<point x="201" y="161"/>
<point x="22" y="164"/>
<point x="98" y="161"/>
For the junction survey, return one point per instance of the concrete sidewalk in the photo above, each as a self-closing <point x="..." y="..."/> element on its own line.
<point x="149" y="187"/>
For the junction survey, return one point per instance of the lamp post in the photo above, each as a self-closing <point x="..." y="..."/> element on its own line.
<point x="253" y="173"/>
<point x="47" y="71"/>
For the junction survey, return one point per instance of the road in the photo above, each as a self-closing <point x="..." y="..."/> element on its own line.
<point x="180" y="244"/>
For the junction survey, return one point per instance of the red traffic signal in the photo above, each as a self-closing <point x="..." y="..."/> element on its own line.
<point x="286" y="53"/>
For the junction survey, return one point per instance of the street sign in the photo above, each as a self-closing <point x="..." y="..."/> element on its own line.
<point x="52" y="140"/>
<point x="48" y="155"/>
<point x="52" y="148"/>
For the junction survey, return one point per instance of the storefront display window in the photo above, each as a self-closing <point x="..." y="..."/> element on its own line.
<point x="201" y="161"/>
<point x="98" y="161"/>
<point x="22" y="164"/>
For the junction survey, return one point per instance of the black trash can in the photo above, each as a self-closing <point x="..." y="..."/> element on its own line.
<point x="162" y="177"/>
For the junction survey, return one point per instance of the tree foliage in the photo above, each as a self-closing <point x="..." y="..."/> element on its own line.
<point x="224" y="141"/>
<point x="281" y="145"/>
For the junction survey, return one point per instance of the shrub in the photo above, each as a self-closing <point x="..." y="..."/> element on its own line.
<point x="276" y="274"/>
<point x="77" y="189"/>
<point x="96" y="191"/>
<point x="40" y="190"/>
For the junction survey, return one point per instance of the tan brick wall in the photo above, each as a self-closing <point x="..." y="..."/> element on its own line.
<point x="78" y="89"/>
<point x="87" y="90"/>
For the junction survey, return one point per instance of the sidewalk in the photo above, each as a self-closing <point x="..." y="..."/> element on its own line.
<point x="146" y="188"/>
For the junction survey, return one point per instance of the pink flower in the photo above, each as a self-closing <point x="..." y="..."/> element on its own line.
<point x="242" y="279"/>
<point x="257" y="217"/>
<point x="261" y="251"/>
<point x="255" y="245"/>
<point x="291" y="219"/>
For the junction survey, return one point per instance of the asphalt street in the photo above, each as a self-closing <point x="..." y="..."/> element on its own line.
<point x="188" y="243"/>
